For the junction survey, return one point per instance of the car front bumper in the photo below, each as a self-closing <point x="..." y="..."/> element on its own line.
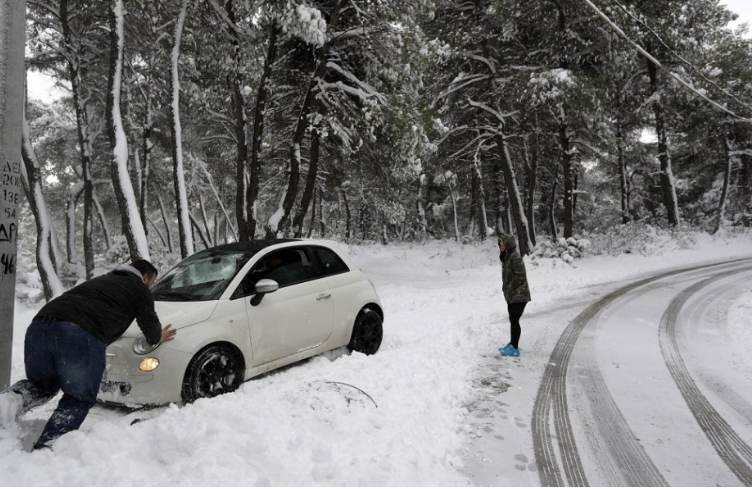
<point x="123" y="383"/>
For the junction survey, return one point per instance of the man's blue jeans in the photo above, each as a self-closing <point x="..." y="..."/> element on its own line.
<point x="61" y="356"/>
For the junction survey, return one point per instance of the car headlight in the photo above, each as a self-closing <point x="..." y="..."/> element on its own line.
<point x="149" y="364"/>
<point x="142" y="346"/>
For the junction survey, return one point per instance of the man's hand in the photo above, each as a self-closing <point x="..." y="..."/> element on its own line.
<point x="167" y="334"/>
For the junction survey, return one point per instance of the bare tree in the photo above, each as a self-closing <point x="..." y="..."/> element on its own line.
<point x="182" y="206"/>
<point x="74" y="50"/>
<point x="665" y="159"/>
<point x="47" y="262"/>
<point x="132" y="225"/>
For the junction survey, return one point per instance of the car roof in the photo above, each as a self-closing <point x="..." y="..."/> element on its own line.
<point x="252" y="246"/>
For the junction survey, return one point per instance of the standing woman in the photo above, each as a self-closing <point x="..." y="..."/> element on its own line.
<point x="516" y="291"/>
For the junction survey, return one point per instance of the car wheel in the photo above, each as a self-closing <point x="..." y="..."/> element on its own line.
<point x="213" y="371"/>
<point x="367" y="334"/>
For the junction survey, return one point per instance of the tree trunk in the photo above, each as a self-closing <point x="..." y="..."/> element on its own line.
<point x="258" y="126"/>
<point x="196" y="226"/>
<point x="82" y="128"/>
<point x="147" y="159"/>
<point x="12" y="71"/>
<point x="480" y="202"/>
<point x="103" y="220"/>
<point x="348" y="214"/>
<point x="31" y="173"/>
<point x="526" y="162"/>
<point x="216" y="229"/>
<point x="312" y="216"/>
<point x="124" y="191"/>
<point x="471" y="218"/>
<point x="532" y="181"/>
<point x="88" y="226"/>
<point x="73" y="198"/>
<point x="566" y="159"/>
<point x="727" y="146"/>
<point x="520" y="223"/>
<point x="278" y="221"/>
<point x="622" y="166"/>
<point x="149" y="94"/>
<point x="164" y="215"/>
<point x="312" y="174"/>
<point x="422" y="190"/>
<point x="575" y="192"/>
<point x="205" y="222"/>
<point x="134" y="163"/>
<point x="552" y="203"/>
<point x="665" y="160"/>
<point x="219" y="201"/>
<point x="363" y="220"/>
<point x="240" y="126"/>
<point x="182" y="207"/>
<point x="501" y="210"/>
<point x="322" y="218"/>
<point x="454" y="208"/>
<point x="160" y="235"/>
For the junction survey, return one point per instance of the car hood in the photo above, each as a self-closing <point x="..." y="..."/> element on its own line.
<point x="177" y="314"/>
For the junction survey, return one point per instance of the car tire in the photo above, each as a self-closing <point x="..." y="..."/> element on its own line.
<point x="216" y="370"/>
<point x="367" y="334"/>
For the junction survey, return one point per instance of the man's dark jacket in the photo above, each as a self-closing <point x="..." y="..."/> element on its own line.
<point x="106" y="305"/>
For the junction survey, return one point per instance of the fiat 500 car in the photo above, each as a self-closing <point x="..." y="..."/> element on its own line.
<point x="242" y="310"/>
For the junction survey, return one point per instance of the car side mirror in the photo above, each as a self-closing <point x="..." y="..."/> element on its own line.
<point x="264" y="286"/>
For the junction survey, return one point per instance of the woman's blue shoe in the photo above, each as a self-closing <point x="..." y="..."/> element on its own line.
<point x="501" y="349"/>
<point x="510" y="351"/>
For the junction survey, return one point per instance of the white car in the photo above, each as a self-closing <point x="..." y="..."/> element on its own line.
<point x="241" y="310"/>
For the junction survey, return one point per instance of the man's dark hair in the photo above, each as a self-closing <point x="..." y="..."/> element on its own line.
<point x="145" y="268"/>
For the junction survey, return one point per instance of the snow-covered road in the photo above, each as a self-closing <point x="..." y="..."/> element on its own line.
<point x="619" y="403"/>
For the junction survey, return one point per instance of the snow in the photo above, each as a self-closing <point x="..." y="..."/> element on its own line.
<point x="306" y="23"/>
<point x="364" y="92"/>
<point x="424" y="422"/>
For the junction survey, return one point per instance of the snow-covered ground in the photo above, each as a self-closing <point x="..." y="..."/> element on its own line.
<point x="407" y="416"/>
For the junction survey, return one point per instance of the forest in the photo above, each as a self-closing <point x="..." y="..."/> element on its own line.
<point x="191" y="123"/>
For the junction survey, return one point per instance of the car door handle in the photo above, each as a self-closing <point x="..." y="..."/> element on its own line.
<point x="323" y="296"/>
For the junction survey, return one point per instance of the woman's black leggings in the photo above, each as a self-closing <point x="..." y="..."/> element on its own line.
<point x="515" y="312"/>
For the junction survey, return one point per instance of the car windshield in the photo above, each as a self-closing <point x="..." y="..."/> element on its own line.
<point x="201" y="277"/>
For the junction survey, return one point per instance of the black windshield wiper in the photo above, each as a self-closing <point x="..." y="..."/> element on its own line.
<point x="174" y="296"/>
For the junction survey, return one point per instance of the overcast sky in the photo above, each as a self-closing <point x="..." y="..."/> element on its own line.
<point x="742" y="8"/>
<point x="41" y="86"/>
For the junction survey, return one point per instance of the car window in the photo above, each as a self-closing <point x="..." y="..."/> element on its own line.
<point x="330" y="262"/>
<point x="287" y="267"/>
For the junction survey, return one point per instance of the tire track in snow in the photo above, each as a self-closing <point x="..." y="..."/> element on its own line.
<point x="626" y="453"/>
<point x="552" y="398"/>
<point x="735" y="452"/>
<point x="735" y="399"/>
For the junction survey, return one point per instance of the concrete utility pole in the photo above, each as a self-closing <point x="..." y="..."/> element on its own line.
<point x="12" y="71"/>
